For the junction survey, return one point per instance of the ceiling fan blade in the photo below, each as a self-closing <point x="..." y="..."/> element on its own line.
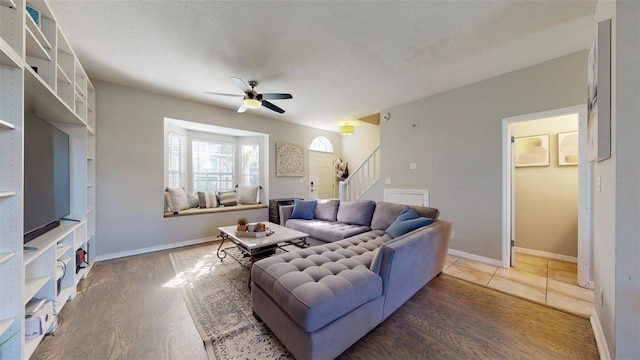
<point x="223" y="94"/>
<point x="276" y="96"/>
<point x="271" y="106"/>
<point x="241" y="84"/>
<point x="242" y="108"/>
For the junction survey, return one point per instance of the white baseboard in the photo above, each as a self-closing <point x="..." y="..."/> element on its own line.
<point x="474" y="257"/>
<point x="547" y="255"/>
<point x="601" y="341"/>
<point x="155" y="248"/>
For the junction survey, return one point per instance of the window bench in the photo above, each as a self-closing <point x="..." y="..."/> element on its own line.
<point x="198" y="211"/>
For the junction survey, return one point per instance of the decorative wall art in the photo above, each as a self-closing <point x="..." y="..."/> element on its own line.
<point x="568" y="148"/>
<point x="289" y="159"/>
<point x="599" y="95"/>
<point x="532" y="150"/>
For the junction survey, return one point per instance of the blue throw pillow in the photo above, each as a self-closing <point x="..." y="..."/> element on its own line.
<point x="407" y="220"/>
<point x="303" y="209"/>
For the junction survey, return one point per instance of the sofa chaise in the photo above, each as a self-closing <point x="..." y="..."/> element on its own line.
<point x="320" y="300"/>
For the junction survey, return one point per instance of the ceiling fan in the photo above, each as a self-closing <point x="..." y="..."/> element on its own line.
<point x="252" y="99"/>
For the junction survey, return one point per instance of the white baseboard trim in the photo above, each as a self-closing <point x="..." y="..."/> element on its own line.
<point x="155" y="248"/>
<point x="601" y="341"/>
<point x="474" y="257"/>
<point x="547" y="255"/>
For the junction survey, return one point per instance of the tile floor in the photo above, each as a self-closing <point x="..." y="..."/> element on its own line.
<point x="538" y="279"/>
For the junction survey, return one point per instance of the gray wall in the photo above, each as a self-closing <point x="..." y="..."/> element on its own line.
<point x="547" y="196"/>
<point x="130" y="168"/>
<point x="617" y="205"/>
<point x="455" y="139"/>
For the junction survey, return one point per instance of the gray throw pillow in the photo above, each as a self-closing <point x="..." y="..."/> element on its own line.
<point x="228" y="198"/>
<point x="193" y="200"/>
<point x="326" y="210"/>
<point x="208" y="199"/>
<point x="356" y="212"/>
<point x="176" y="199"/>
<point x="248" y="195"/>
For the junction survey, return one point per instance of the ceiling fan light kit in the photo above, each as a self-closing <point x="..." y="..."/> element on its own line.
<point x="254" y="100"/>
<point x="252" y="103"/>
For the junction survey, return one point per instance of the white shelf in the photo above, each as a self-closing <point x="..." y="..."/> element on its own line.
<point x="5" y="324"/>
<point x="36" y="32"/>
<point x="35" y="48"/>
<point x="49" y="239"/>
<point x="30" y="345"/>
<point x="4" y="124"/>
<point x="61" y="250"/>
<point x="7" y="193"/>
<point x="82" y="273"/>
<point x="62" y="76"/>
<point x="32" y="286"/>
<point x="6" y="256"/>
<point x="60" y="272"/>
<point x="8" y="3"/>
<point x="64" y="295"/>
<point x="60" y="92"/>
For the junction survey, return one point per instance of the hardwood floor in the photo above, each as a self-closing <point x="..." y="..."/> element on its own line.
<point x="127" y="310"/>
<point x="124" y="311"/>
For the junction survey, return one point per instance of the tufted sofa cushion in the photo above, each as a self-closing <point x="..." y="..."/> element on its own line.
<point x="318" y="285"/>
<point x="328" y="231"/>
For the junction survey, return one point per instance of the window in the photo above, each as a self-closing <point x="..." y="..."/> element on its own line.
<point x="250" y="164"/>
<point x="205" y="157"/>
<point x="321" y="143"/>
<point x="212" y="165"/>
<point x="175" y="159"/>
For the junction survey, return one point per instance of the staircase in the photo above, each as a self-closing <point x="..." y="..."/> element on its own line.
<point x="362" y="178"/>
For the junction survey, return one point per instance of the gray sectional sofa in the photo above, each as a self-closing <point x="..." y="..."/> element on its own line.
<point x="320" y="300"/>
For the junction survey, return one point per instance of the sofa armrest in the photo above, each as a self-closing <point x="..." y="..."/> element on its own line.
<point x="285" y="213"/>
<point x="409" y="262"/>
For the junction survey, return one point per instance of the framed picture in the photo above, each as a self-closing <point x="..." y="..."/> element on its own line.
<point x="532" y="150"/>
<point x="599" y="95"/>
<point x="289" y="159"/>
<point x="568" y="148"/>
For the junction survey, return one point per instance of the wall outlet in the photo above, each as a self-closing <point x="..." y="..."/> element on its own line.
<point x="387" y="181"/>
<point x="412" y="166"/>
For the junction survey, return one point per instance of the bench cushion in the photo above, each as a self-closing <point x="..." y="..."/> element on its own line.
<point x="318" y="285"/>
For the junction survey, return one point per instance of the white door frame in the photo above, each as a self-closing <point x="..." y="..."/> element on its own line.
<point x="585" y="212"/>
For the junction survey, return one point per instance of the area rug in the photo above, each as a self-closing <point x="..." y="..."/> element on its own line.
<point x="219" y="301"/>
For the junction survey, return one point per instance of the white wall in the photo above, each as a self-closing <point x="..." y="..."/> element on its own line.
<point x="547" y="196"/>
<point x="457" y="144"/>
<point x="130" y="168"/>
<point x="617" y="205"/>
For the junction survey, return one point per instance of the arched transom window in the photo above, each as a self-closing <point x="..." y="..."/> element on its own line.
<point x="321" y="143"/>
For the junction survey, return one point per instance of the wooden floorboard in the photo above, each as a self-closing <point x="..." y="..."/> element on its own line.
<point x="127" y="309"/>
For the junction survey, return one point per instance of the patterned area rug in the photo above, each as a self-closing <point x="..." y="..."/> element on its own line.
<point x="219" y="301"/>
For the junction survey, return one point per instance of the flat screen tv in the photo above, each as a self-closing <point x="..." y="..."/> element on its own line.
<point x="47" y="184"/>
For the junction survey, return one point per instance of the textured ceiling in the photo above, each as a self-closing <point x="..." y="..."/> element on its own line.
<point x="340" y="60"/>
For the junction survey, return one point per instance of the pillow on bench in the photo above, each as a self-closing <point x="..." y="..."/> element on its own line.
<point x="176" y="199"/>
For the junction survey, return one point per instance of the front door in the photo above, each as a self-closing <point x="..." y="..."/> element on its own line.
<point x="321" y="177"/>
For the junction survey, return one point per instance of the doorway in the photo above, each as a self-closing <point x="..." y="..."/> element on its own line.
<point x="547" y="176"/>
<point x="321" y="177"/>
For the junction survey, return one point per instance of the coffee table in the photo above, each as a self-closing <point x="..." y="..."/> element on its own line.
<point x="257" y="248"/>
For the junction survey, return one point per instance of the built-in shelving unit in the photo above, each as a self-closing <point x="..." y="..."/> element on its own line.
<point x="40" y="73"/>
